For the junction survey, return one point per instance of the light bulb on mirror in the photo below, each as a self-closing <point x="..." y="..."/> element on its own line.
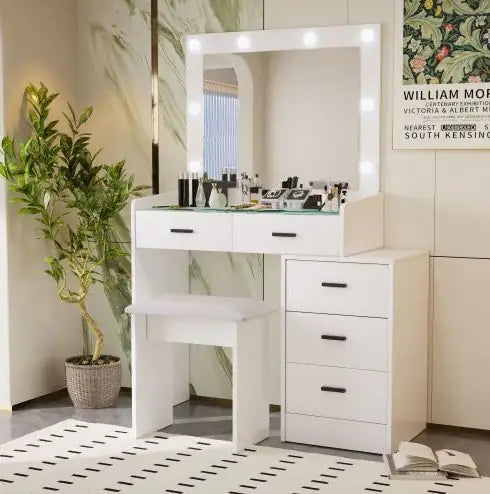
<point x="194" y="45"/>
<point x="243" y="42"/>
<point x="367" y="104"/>
<point x="194" y="109"/>
<point x="310" y="39"/>
<point x="366" y="168"/>
<point x="194" y="166"/>
<point x="368" y="35"/>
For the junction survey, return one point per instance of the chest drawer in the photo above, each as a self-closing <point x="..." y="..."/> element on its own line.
<point x="335" y="433"/>
<point x="183" y="230"/>
<point x="279" y="233"/>
<point x="338" y="288"/>
<point x="348" y="394"/>
<point x="338" y="341"/>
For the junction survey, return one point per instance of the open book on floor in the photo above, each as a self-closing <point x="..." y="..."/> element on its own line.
<point x="413" y="460"/>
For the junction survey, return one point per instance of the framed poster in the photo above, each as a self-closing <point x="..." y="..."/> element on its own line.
<point x="442" y="75"/>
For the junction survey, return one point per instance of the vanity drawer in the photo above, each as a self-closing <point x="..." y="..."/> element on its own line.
<point x="338" y="341"/>
<point x="183" y="230"/>
<point x="335" y="433"/>
<point x="353" y="289"/>
<point x="333" y="392"/>
<point x="280" y="233"/>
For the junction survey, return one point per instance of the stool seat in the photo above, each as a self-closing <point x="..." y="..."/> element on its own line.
<point x="234" y="309"/>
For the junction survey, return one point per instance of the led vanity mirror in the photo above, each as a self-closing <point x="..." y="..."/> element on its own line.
<point x="294" y="102"/>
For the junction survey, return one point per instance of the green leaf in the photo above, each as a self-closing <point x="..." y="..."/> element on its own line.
<point x="47" y="198"/>
<point x="408" y="76"/>
<point x="455" y="67"/>
<point x="471" y="37"/>
<point x="461" y="7"/>
<point x="87" y="113"/>
<point x="410" y="8"/>
<point x="29" y="210"/>
<point x="430" y="26"/>
<point x="24" y="149"/>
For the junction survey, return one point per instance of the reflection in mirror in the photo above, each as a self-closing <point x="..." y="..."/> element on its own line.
<point x="284" y="113"/>
<point x="221" y="111"/>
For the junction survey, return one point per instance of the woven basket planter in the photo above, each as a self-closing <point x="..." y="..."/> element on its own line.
<point x="93" y="386"/>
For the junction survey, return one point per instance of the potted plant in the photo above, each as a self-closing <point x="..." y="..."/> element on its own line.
<point x="53" y="175"/>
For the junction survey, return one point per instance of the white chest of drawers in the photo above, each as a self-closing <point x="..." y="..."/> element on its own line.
<point x="354" y="349"/>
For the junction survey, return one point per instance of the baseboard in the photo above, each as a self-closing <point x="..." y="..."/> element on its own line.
<point x="458" y="430"/>
<point x="224" y="402"/>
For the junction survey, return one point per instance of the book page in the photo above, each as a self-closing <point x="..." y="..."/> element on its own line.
<point x="448" y="457"/>
<point x="417" y="450"/>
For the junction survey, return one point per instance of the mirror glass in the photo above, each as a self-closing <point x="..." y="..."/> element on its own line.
<point x="283" y="113"/>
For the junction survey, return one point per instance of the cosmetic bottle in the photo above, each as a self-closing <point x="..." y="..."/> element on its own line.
<point x="186" y="190"/>
<point x="180" y="188"/>
<point x="343" y="197"/>
<point x="330" y="199"/>
<point x="245" y="189"/>
<point x="232" y="174"/>
<point x="214" y="200"/>
<point x="224" y="175"/>
<point x="255" y="190"/>
<point x="200" y="195"/>
<point x="343" y="192"/>
<point x="194" y="186"/>
<point x="324" y="198"/>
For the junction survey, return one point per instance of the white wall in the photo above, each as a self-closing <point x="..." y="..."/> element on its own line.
<point x="311" y="115"/>
<point x="38" y="45"/>
<point x="4" y="305"/>
<point x="422" y="211"/>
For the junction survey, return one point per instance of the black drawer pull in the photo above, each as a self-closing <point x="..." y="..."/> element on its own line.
<point x="333" y="337"/>
<point x="334" y="285"/>
<point x="181" y="230"/>
<point x="282" y="234"/>
<point x="332" y="389"/>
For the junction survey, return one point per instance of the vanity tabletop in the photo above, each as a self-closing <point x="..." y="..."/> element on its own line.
<point x="305" y="212"/>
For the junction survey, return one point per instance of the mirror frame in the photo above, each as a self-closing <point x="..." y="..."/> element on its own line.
<point x="366" y="37"/>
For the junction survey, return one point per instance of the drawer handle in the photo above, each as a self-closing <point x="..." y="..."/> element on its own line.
<point x="181" y="230"/>
<point x="334" y="285"/>
<point x="333" y="337"/>
<point x="332" y="389"/>
<point x="283" y="234"/>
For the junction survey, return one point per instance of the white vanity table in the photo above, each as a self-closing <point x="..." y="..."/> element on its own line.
<point x="353" y="316"/>
<point x="354" y="328"/>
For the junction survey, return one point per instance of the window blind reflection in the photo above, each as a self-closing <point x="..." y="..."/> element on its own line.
<point x="221" y="108"/>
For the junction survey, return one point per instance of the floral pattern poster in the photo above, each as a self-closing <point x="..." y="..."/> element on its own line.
<point x="442" y="77"/>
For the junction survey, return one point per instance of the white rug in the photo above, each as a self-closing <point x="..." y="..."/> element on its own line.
<point x="78" y="457"/>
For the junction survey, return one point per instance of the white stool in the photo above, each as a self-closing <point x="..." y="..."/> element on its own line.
<point x="239" y="323"/>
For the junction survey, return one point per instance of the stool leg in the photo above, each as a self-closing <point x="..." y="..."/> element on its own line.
<point x="152" y="380"/>
<point x="250" y="384"/>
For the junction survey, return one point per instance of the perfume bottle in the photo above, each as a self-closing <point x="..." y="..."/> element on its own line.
<point x="245" y="189"/>
<point x="214" y="201"/>
<point x="255" y="190"/>
<point x="200" y="195"/>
